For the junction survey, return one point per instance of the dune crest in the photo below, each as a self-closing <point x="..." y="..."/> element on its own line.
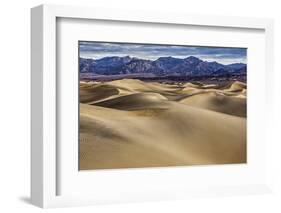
<point x="237" y="86"/>
<point x="135" y="101"/>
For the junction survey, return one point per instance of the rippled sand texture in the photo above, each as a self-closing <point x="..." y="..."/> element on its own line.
<point x="130" y="124"/>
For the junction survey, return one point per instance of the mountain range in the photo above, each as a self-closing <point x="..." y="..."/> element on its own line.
<point x="163" y="66"/>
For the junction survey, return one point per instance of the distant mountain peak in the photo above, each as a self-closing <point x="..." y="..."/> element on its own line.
<point x="192" y="59"/>
<point x="166" y="57"/>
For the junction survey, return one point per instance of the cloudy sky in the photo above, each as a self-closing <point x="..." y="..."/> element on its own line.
<point x="223" y="55"/>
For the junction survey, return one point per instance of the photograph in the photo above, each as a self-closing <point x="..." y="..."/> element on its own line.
<point x="147" y="105"/>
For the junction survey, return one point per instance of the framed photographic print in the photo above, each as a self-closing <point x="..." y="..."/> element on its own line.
<point x="141" y="105"/>
<point x="131" y="105"/>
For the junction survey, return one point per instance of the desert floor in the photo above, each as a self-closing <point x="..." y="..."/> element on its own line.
<point x="130" y="124"/>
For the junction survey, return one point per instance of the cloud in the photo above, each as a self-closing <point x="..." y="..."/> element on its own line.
<point x="153" y="51"/>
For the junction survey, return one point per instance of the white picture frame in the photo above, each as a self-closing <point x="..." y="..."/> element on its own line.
<point x="44" y="149"/>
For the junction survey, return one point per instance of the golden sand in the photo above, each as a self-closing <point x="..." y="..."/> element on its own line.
<point x="131" y="124"/>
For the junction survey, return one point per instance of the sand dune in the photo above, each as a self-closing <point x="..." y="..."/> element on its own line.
<point x="237" y="86"/>
<point x="140" y="86"/>
<point x="135" y="101"/>
<point x="98" y="92"/>
<point x="218" y="102"/>
<point x="130" y="124"/>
